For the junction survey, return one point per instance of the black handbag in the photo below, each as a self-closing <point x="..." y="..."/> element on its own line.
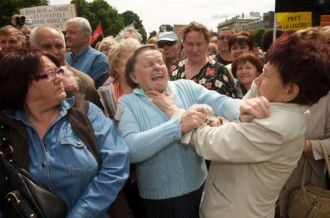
<point x="26" y="197"/>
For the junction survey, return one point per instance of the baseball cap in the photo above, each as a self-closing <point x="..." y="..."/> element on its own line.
<point x="167" y="36"/>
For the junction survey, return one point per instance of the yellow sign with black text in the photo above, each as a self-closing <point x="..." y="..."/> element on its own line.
<point x="294" y="20"/>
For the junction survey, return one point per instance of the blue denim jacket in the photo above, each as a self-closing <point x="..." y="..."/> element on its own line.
<point x="62" y="162"/>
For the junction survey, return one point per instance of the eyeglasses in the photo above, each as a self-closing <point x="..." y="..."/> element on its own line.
<point x="167" y="43"/>
<point x="50" y="75"/>
<point x="224" y="37"/>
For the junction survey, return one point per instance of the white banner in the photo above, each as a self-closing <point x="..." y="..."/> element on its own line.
<point x="50" y="14"/>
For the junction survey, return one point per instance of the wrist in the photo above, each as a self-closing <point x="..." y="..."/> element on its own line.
<point x="307" y="146"/>
<point x="171" y="111"/>
<point x="177" y="113"/>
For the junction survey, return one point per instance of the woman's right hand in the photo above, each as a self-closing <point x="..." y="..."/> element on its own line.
<point x="192" y="118"/>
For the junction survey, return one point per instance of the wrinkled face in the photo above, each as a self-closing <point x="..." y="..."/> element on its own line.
<point x="238" y="49"/>
<point x="9" y="43"/>
<point x="74" y="37"/>
<point x="246" y="73"/>
<point x="223" y="39"/>
<point x="50" y="41"/>
<point x="121" y="61"/>
<point x="270" y="84"/>
<point x="195" y="46"/>
<point x="150" y="72"/>
<point x="50" y="92"/>
<point x="130" y="35"/>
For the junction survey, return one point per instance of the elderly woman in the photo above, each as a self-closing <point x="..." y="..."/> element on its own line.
<point x="252" y="161"/>
<point x="170" y="176"/>
<point x="118" y="55"/>
<point x="198" y="66"/>
<point x="245" y="69"/>
<point x="32" y="99"/>
<point x="105" y="45"/>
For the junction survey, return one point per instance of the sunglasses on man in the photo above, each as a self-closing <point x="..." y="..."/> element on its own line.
<point x="167" y="43"/>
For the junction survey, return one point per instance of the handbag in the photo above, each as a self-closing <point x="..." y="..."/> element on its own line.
<point x="25" y="196"/>
<point x="310" y="201"/>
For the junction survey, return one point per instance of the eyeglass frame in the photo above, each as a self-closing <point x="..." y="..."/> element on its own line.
<point x="51" y="75"/>
<point x="167" y="43"/>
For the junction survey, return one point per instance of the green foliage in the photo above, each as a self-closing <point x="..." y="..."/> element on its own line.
<point x="108" y="16"/>
<point x="152" y="34"/>
<point x="130" y="17"/>
<point x="258" y="33"/>
<point x="167" y="27"/>
<point x="11" y="7"/>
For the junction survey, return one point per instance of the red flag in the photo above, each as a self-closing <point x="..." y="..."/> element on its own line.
<point x="97" y="33"/>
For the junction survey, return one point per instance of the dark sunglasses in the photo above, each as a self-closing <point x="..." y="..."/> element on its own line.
<point x="224" y="37"/>
<point x="167" y="43"/>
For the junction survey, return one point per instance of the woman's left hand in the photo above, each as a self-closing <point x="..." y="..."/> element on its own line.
<point x="165" y="102"/>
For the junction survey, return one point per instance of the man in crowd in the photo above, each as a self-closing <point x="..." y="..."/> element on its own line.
<point x="82" y="56"/>
<point x="223" y="56"/>
<point x="168" y="41"/>
<point x="11" y="39"/>
<point x="50" y="39"/>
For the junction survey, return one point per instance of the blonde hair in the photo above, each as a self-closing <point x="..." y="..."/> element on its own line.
<point x="115" y="52"/>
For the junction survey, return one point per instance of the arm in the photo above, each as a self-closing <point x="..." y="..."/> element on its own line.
<point x="236" y="143"/>
<point x="113" y="172"/>
<point x="100" y="66"/>
<point x="318" y="129"/>
<point x="143" y="144"/>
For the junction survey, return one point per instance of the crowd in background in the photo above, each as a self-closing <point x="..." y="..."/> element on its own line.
<point x="258" y="94"/>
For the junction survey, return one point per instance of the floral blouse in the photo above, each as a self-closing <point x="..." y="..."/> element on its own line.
<point x="213" y="76"/>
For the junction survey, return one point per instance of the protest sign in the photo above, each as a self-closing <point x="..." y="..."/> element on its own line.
<point x="50" y="14"/>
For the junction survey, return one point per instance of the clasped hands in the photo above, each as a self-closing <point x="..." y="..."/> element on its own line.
<point x="196" y="116"/>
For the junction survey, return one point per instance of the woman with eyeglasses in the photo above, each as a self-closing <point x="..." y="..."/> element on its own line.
<point x="33" y="103"/>
<point x="198" y="66"/>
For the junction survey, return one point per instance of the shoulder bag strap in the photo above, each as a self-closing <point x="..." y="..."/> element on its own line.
<point x="77" y="116"/>
<point x="326" y="157"/>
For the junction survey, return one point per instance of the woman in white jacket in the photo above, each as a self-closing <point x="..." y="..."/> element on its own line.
<point x="252" y="161"/>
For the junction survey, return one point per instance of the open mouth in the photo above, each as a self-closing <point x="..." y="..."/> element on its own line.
<point x="157" y="77"/>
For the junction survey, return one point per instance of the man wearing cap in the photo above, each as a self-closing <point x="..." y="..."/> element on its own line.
<point x="168" y="41"/>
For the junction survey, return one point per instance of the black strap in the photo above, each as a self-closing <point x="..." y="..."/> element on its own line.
<point x="77" y="116"/>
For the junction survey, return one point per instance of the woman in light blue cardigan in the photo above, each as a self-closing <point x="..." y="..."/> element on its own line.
<point x="170" y="175"/>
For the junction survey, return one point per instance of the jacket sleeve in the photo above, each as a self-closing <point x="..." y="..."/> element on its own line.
<point x="143" y="144"/>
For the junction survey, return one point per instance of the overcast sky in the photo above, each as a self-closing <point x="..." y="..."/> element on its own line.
<point x="154" y="13"/>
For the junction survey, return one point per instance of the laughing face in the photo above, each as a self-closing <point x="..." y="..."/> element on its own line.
<point x="150" y="72"/>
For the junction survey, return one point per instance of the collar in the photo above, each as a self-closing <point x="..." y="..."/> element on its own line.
<point x="19" y="115"/>
<point x="82" y="53"/>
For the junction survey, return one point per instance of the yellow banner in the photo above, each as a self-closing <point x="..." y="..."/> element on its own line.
<point x="294" y="20"/>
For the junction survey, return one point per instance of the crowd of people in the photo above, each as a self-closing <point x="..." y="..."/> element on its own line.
<point x="211" y="125"/>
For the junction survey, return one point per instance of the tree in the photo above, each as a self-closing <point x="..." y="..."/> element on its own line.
<point x="109" y="17"/>
<point x="258" y="34"/>
<point x="10" y="7"/>
<point x="152" y="34"/>
<point x="129" y="17"/>
<point x="165" y="27"/>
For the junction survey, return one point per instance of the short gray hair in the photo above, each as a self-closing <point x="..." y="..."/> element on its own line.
<point x="83" y="23"/>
